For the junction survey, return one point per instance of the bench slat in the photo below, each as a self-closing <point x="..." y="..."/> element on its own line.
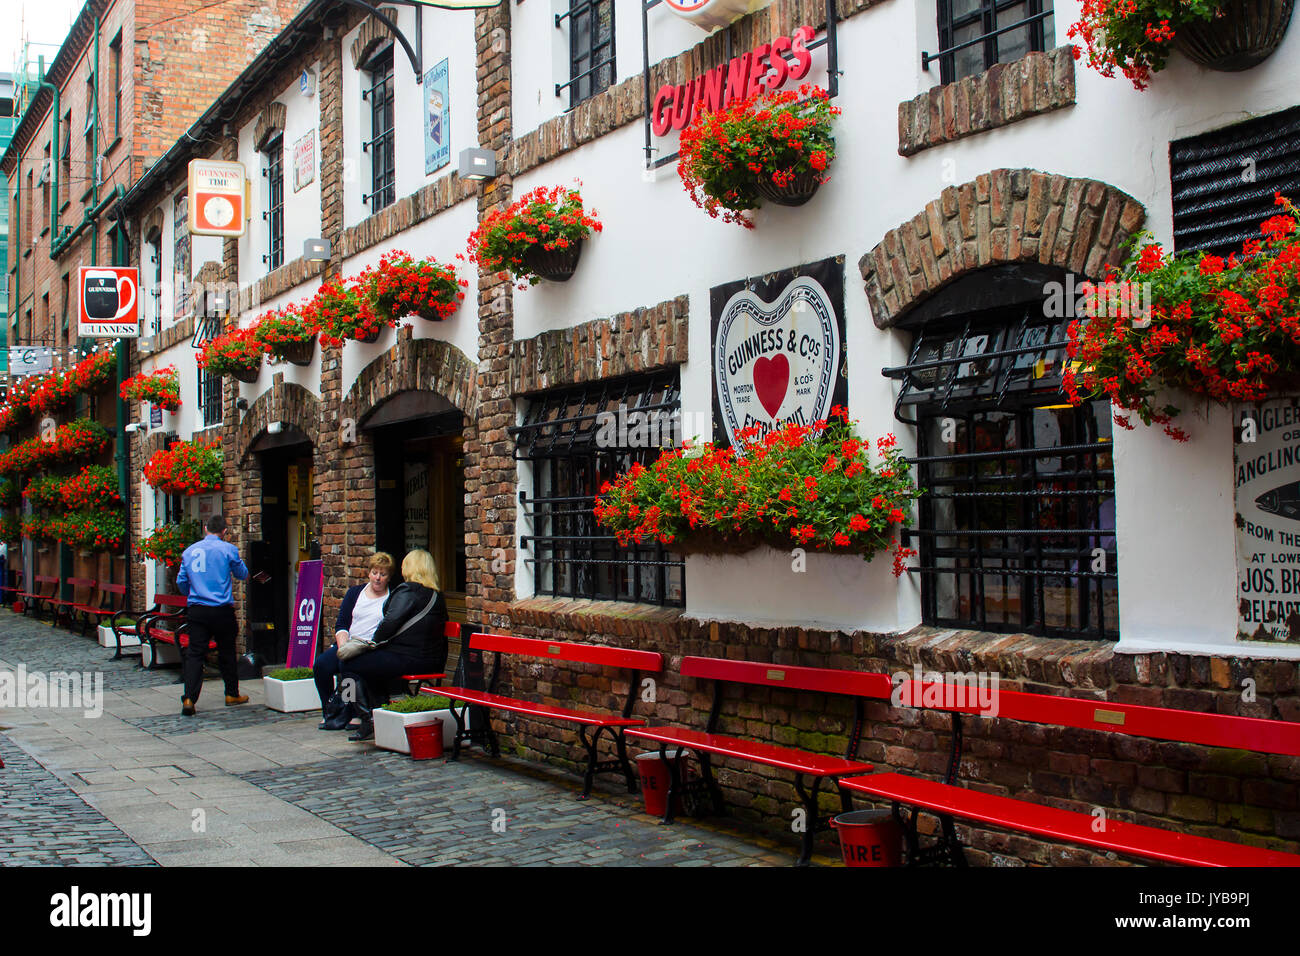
<point x="826" y="680"/>
<point x="650" y="661"/>
<point x="800" y="761"/>
<point x="497" y="702"/>
<point x="1022" y="817"/>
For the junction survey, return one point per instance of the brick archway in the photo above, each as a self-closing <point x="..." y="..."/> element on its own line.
<point x="429" y="365"/>
<point x="370" y="36"/>
<point x="1003" y="216"/>
<point x="287" y="403"/>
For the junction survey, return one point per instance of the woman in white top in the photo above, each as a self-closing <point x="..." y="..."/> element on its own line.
<point x="359" y="615"/>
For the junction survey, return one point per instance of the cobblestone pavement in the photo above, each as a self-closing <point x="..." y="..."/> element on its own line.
<point x="248" y="786"/>
<point x="42" y="822"/>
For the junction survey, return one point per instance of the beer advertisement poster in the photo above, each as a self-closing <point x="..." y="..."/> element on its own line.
<point x="437" y="120"/>
<point x="1267" y="463"/>
<point x="108" y="302"/>
<point x="778" y="351"/>
<point x="217" y="195"/>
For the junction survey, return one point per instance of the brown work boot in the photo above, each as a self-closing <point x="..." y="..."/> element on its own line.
<point x="231" y="700"/>
<point x="187" y="707"/>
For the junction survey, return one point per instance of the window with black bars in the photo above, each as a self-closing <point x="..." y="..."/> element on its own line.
<point x="573" y="442"/>
<point x="274" y="213"/>
<point x="1223" y="182"/>
<point x="591" y="48"/>
<point x="210" y="397"/>
<point x="975" y="34"/>
<point x="1016" y="525"/>
<point x="379" y="95"/>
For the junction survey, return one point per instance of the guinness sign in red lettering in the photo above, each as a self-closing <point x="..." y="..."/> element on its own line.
<point x="764" y="68"/>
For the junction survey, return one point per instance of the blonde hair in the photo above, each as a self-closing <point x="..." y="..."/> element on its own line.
<point x="381" y="560"/>
<point x="418" y="567"/>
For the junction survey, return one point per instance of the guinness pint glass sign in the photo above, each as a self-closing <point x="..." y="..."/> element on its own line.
<point x="109" y="302"/>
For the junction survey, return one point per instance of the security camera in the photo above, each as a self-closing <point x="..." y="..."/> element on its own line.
<point x="134" y="427"/>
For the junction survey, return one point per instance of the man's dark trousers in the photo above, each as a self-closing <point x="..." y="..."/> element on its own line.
<point x="219" y="625"/>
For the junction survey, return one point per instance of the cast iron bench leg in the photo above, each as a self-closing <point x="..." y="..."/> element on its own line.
<point x="590" y="744"/>
<point x="809" y="800"/>
<point x="458" y="716"/>
<point x="715" y="792"/>
<point x="674" y="779"/>
<point x="632" y="786"/>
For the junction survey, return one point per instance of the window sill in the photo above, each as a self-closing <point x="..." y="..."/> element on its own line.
<point x="112" y="146"/>
<point x="621" y="618"/>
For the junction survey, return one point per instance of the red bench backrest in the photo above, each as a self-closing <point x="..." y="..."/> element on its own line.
<point x="42" y="579"/>
<point x="649" y="661"/>
<point x="856" y="683"/>
<point x="170" y="600"/>
<point x="1185" y="726"/>
<point x="114" y="589"/>
<point x="451" y="630"/>
<point x="82" y="582"/>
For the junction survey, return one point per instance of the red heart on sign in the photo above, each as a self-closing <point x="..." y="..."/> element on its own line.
<point x="771" y="379"/>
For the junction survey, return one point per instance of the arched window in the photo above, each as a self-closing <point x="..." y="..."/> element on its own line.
<point x="1016" y="523"/>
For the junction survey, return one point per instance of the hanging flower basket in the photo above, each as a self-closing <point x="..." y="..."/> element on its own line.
<point x="76" y="441"/>
<point x="1241" y="34"/>
<point x="810" y="486"/>
<point x="45" y="493"/>
<point x="235" y="352"/>
<point x="97" y="530"/>
<point x="167" y="542"/>
<point x="1227" y="330"/>
<point x="341" y="311"/>
<point x="284" y="333"/>
<point x="400" y="286"/>
<point x="770" y="145"/>
<point x="554" y="265"/>
<point x="161" y="387"/>
<point x="94" y="488"/>
<point x="510" y="241"/>
<point x="369" y="337"/>
<point x="186" y="468"/>
<point x="60" y="389"/>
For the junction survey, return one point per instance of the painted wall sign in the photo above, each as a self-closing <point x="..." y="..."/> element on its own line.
<point x="1268" y="521"/>
<point x="710" y="14"/>
<point x="305" y="614"/>
<point x="304" y="161"/>
<point x="108" y="302"/>
<point x="437" y="119"/>
<point x="778" y="349"/>
<point x="763" y="68"/>
<point x="217" y="194"/>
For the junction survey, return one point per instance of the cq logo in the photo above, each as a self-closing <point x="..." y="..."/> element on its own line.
<point x="307" y="610"/>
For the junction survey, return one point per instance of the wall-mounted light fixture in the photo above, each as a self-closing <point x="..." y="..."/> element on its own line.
<point x="477" y="164"/>
<point x="275" y="428"/>
<point x="316" y="250"/>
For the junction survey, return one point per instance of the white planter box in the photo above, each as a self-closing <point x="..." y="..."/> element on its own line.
<point x="291" y="696"/>
<point x="167" y="654"/>
<point x="106" y="639"/>
<point x="390" y="728"/>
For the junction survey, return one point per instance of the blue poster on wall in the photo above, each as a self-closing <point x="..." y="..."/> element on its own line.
<point x="437" y="120"/>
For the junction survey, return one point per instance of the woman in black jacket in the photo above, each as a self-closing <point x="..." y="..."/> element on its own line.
<point x="411" y="639"/>
<point x="365" y="602"/>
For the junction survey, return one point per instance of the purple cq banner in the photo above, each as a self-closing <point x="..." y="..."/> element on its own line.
<point x="305" y="614"/>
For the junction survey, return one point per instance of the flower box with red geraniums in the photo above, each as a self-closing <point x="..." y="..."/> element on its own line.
<point x="36" y="528"/>
<point x="285" y="335"/>
<point x="77" y="441"/>
<point x="235" y="352"/>
<point x="11" y="528"/>
<point x="810" y="486"/>
<point x="60" y="389"/>
<point x="401" y="285"/>
<point x="549" y="220"/>
<point x="161" y="387"/>
<point x="1228" y="330"/>
<point x="167" y="542"/>
<point x="45" y="493"/>
<point x="24" y="457"/>
<point x="16" y="412"/>
<point x="10" y="494"/>
<point x="187" y="468"/>
<point x="94" y="488"/>
<point x="89" y="530"/>
<point x="340" y="311"/>
<point x="771" y="145"/>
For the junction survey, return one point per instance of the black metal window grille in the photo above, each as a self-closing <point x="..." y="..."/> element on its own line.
<point x="1015" y="528"/>
<point x="155" y="293"/>
<point x="383" y="178"/>
<point x="210" y="397"/>
<point x="574" y="449"/>
<point x="1223" y="181"/>
<point x="975" y="34"/>
<point x="274" y="214"/>
<point x="591" y="48"/>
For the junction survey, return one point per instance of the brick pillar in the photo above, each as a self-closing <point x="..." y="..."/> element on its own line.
<point x="489" y="466"/>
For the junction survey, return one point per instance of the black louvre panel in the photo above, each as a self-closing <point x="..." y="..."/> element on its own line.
<point x="1223" y="182"/>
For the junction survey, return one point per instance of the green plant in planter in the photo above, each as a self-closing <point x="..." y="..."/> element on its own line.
<point x="1135" y="37"/>
<point x="291" y="673"/>
<point x="417" y="705"/>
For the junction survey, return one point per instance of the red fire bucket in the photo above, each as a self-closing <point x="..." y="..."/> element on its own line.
<point x="869" y="838"/>
<point x="425" y="740"/>
<point x="655" y="781"/>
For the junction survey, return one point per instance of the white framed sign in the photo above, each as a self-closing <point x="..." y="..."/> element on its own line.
<point x="304" y="161"/>
<point x="218" y="198"/>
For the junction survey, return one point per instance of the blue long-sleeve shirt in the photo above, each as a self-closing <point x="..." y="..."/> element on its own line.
<point x="206" y="569"/>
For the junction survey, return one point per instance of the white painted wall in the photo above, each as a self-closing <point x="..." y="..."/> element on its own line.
<point x="1176" y="537"/>
<point x="447" y="34"/>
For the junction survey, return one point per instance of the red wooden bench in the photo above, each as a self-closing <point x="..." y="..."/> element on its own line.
<point x="112" y="598"/>
<point x="947" y="799"/>
<point x="149" y="627"/>
<point x="34" y="598"/>
<point x="66" y="608"/>
<point x="804" y="764"/>
<point x="590" y="725"/>
<point x="451" y="631"/>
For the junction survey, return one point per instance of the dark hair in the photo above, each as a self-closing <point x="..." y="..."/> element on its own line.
<point x="216" y="524"/>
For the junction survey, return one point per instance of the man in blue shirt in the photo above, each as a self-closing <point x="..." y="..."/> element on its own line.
<point x="206" y="570"/>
